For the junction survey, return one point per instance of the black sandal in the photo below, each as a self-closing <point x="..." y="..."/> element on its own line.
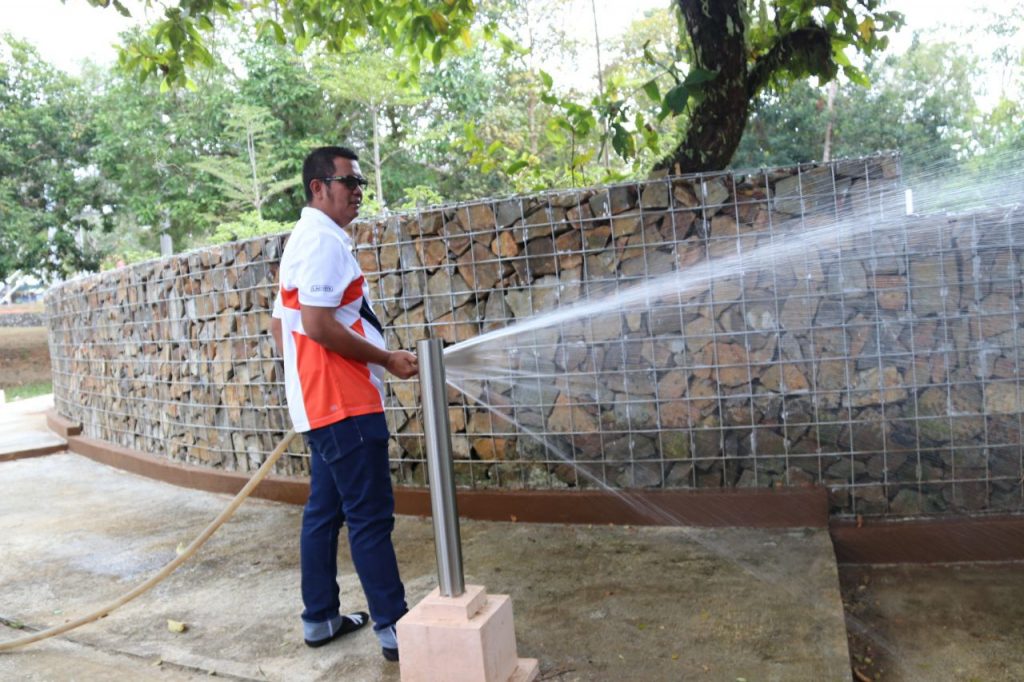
<point x="349" y="623"/>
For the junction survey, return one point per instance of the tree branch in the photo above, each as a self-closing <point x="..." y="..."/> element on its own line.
<point x="804" y="52"/>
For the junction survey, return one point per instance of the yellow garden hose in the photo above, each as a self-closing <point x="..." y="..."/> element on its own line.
<point x="169" y="568"/>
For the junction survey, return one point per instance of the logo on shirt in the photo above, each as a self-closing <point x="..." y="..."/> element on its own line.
<point x="321" y="288"/>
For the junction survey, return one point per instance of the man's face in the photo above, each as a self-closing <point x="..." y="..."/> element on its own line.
<point x="334" y="198"/>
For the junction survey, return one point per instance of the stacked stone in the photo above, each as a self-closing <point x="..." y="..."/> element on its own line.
<point x="173" y="357"/>
<point x="885" y="368"/>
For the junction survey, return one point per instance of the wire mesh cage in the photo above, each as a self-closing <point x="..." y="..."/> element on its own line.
<point x="779" y="327"/>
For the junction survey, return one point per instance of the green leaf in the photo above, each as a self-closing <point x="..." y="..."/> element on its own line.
<point x="623" y="143"/>
<point x="278" y="33"/>
<point x="857" y="76"/>
<point x="439" y="22"/>
<point x="699" y="76"/>
<point x="652" y="91"/>
<point x="648" y="55"/>
<point x="675" y="101"/>
<point x="546" y="79"/>
<point x="514" y="168"/>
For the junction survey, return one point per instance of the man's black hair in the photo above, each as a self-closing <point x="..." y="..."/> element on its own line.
<point x="320" y="164"/>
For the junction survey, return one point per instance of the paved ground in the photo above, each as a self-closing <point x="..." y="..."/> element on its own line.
<point x="23" y="426"/>
<point x="592" y="603"/>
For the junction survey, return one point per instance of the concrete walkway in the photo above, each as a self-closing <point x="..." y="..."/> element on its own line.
<point x="23" y="428"/>
<point x="592" y="603"/>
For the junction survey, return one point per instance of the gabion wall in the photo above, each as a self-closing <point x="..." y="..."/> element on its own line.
<point x="824" y="337"/>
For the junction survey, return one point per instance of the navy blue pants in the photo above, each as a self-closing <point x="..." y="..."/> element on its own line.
<point x="350" y="481"/>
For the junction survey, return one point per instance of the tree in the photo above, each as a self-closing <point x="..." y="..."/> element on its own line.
<point x="786" y="126"/>
<point x="146" y="144"/>
<point x="735" y="48"/>
<point x="368" y="76"/>
<point x="50" y="194"/>
<point x="737" y="52"/>
<point x="174" y="44"/>
<point x="919" y="102"/>
<point x="249" y="172"/>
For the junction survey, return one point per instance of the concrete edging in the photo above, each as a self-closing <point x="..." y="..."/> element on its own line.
<point x="61" y="426"/>
<point x="872" y="541"/>
<point x="32" y="452"/>
<point x="780" y="508"/>
<point x="924" y="541"/>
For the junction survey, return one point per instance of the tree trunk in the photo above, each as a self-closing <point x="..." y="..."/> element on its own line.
<point x="376" y="158"/>
<point x="826" y="155"/>
<point x="718" y="118"/>
<point x="720" y="110"/>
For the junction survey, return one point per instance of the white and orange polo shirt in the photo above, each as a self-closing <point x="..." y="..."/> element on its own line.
<point x="318" y="268"/>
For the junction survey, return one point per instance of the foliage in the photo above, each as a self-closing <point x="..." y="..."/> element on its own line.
<point x="248" y="171"/>
<point x="420" y="195"/>
<point x="30" y="390"/>
<point x="104" y="163"/>
<point x="147" y="144"/>
<point x="370" y="77"/>
<point x="246" y="226"/>
<point x="920" y="103"/>
<point x="50" y="195"/>
<point x="739" y="47"/>
<point x="787" y="126"/>
<point x="175" y="46"/>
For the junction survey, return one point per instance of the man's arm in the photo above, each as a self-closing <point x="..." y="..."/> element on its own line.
<point x="321" y="326"/>
<point x="275" y="331"/>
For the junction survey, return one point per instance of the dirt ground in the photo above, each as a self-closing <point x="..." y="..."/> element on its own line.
<point x="24" y="356"/>
<point x="936" y="622"/>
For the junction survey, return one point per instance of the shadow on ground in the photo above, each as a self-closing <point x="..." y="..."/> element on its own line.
<point x="592" y="603"/>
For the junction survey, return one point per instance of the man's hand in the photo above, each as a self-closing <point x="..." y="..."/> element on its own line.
<point x="402" y="364"/>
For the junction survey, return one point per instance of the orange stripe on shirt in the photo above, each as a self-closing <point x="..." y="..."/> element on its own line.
<point x="353" y="291"/>
<point x="333" y="387"/>
<point x="290" y="298"/>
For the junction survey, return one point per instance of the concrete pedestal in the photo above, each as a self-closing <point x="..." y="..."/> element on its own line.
<point x="469" y="638"/>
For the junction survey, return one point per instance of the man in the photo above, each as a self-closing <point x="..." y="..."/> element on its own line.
<point x="335" y="358"/>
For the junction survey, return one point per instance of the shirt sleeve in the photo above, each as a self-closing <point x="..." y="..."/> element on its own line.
<point x="327" y="273"/>
<point x="278" y="306"/>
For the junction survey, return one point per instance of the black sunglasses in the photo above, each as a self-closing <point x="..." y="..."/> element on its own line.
<point x="350" y="181"/>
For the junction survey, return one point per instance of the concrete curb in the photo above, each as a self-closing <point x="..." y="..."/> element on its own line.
<point x="781" y="508"/>
<point x="926" y="541"/>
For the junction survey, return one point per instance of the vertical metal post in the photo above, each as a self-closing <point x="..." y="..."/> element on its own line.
<point x="438" y="433"/>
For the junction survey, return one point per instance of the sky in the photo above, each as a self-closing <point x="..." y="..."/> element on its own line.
<point x="67" y="33"/>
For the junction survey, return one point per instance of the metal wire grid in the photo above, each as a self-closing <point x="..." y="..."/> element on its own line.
<point x="854" y="452"/>
<point x="174" y="357"/>
<point x="737" y="433"/>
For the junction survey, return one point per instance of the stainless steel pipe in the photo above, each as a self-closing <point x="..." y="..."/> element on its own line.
<point x="440" y="470"/>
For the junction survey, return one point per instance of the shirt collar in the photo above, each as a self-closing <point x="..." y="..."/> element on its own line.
<point x="310" y="213"/>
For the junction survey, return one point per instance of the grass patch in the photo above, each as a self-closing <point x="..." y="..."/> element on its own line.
<point x="30" y="390"/>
